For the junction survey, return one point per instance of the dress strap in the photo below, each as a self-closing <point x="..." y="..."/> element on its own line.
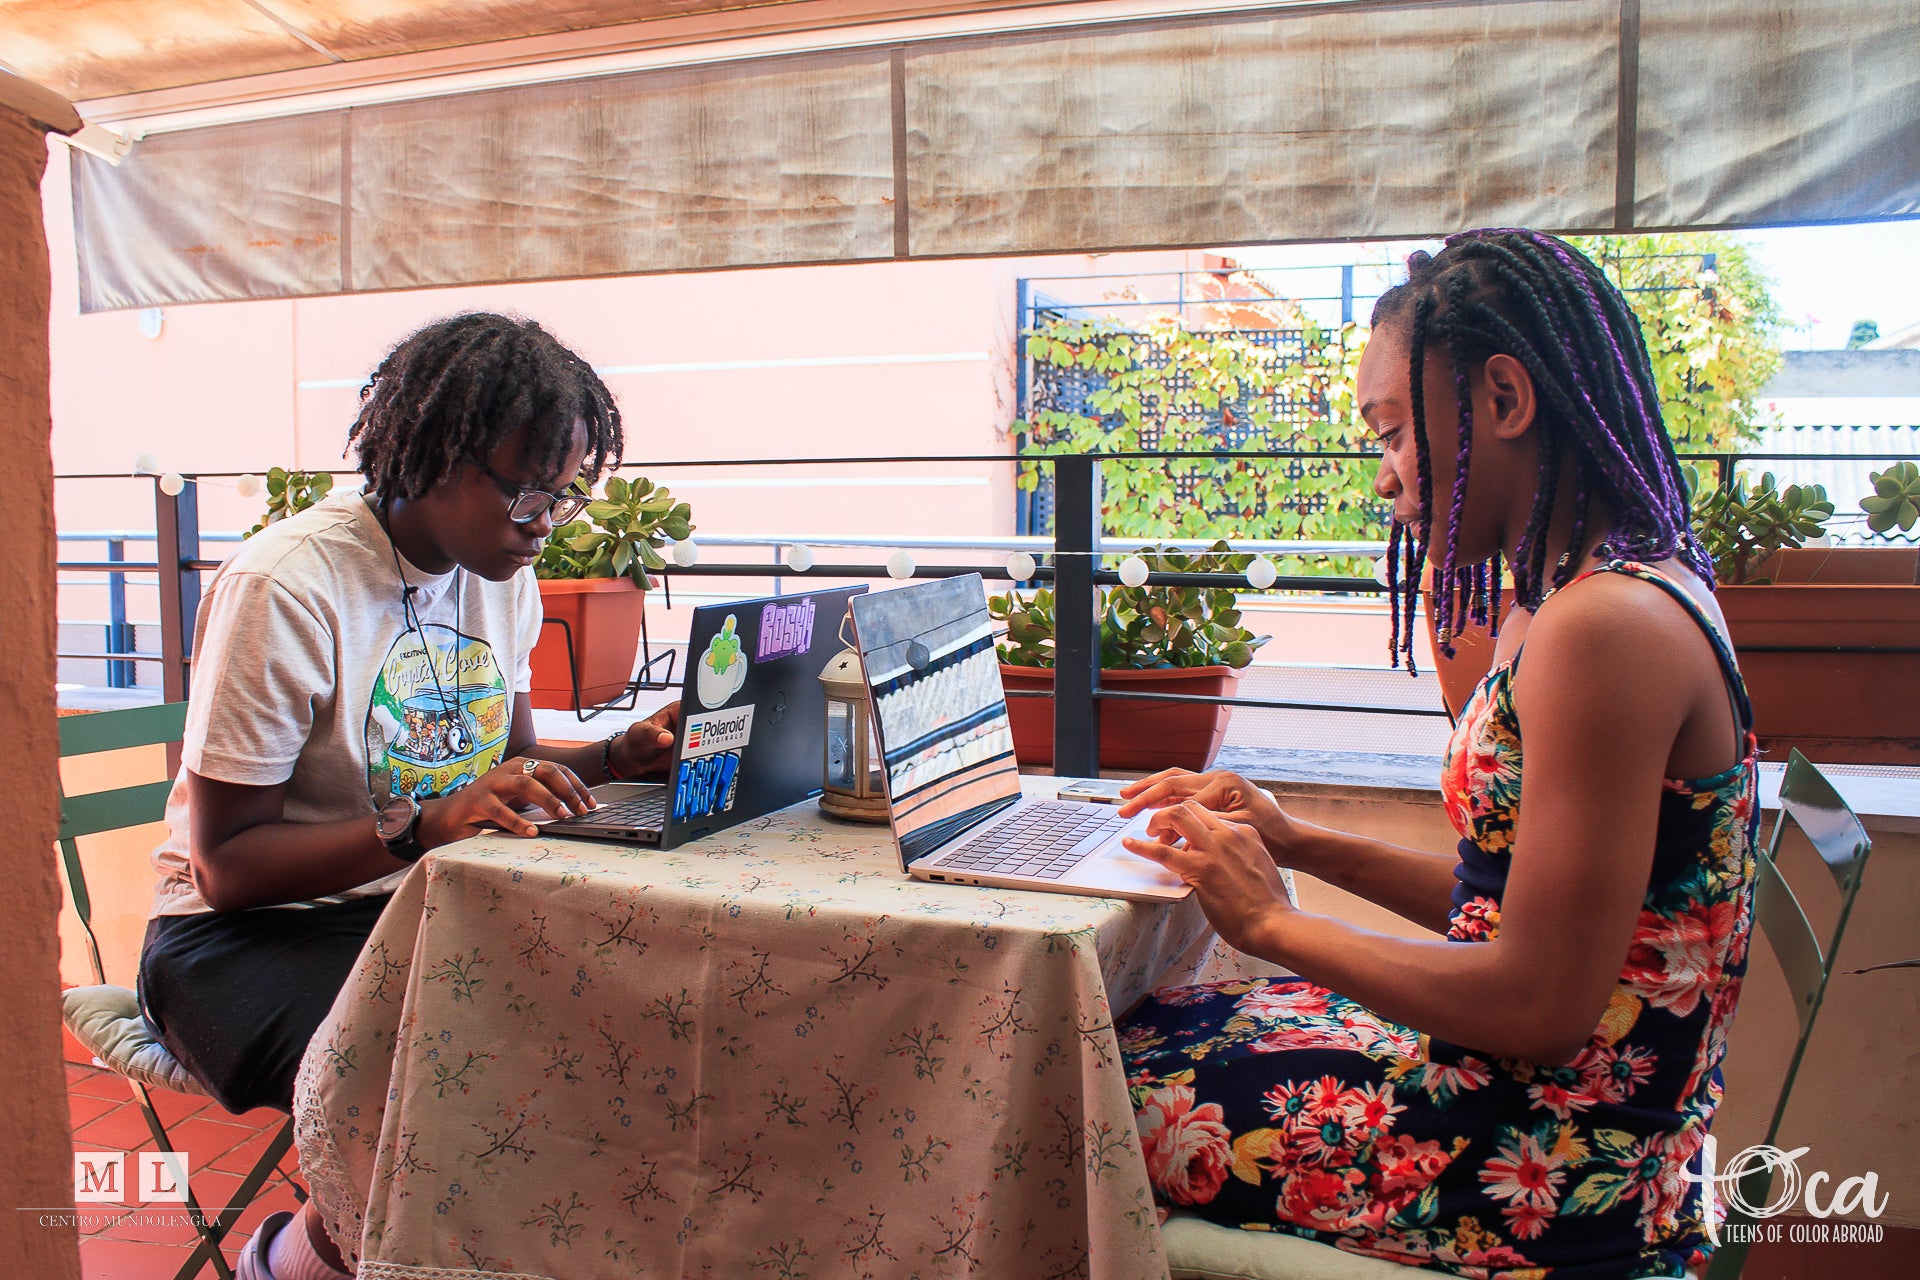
<point x="1722" y="649"/>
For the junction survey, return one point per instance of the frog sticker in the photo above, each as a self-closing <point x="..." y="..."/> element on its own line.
<point x="722" y="668"/>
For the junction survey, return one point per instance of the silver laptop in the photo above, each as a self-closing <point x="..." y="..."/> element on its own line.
<point x="953" y="788"/>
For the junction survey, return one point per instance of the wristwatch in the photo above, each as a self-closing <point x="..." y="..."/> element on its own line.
<point x="398" y="824"/>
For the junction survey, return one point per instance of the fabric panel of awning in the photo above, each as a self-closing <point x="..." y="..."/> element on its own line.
<point x="1323" y="121"/>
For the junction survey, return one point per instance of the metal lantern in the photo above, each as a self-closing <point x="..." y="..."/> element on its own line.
<point x="851" y="785"/>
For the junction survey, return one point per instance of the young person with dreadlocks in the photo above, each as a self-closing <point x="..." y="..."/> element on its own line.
<point x="1527" y="1094"/>
<point x="360" y="696"/>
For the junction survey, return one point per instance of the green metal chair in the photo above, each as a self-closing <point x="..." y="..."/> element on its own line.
<point x="106" y="1019"/>
<point x="1200" y="1250"/>
<point x="1809" y="802"/>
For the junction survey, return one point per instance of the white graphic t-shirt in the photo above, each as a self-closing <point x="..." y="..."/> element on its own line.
<point x="308" y="671"/>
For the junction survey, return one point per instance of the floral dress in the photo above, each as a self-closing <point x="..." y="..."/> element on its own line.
<point x="1279" y="1105"/>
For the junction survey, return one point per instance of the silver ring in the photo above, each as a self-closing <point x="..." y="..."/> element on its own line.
<point x="529" y="766"/>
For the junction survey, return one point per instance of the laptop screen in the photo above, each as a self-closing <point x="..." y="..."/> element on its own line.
<point x="938" y="709"/>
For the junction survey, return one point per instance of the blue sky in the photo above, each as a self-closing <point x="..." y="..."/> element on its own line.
<point x="1825" y="278"/>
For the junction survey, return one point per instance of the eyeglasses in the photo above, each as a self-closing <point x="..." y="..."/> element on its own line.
<point x="526" y="503"/>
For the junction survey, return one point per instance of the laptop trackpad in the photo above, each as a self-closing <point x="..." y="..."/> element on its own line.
<point x="1124" y="874"/>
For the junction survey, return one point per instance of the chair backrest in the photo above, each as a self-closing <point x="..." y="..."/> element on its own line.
<point x="1809" y="802"/>
<point x="99" y="811"/>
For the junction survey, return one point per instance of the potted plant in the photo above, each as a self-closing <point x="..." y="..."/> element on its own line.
<point x="1181" y="640"/>
<point x="593" y="578"/>
<point x="1818" y="629"/>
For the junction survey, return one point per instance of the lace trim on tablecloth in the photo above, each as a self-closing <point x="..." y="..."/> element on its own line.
<point x="325" y="1172"/>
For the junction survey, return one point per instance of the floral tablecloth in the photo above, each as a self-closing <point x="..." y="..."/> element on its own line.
<point x="765" y="1054"/>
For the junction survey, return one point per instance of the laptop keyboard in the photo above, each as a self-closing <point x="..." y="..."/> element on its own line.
<point x="649" y="810"/>
<point x="1045" y="840"/>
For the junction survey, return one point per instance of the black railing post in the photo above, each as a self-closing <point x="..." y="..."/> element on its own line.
<point x="176" y="529"/>
<point x="1076" y="637"/>
<point x="119" y="634"/>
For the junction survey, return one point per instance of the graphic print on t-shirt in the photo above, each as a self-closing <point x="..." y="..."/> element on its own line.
<point x="438" y="715"/>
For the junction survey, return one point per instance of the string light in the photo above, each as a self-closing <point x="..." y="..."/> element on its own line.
<point x="1021" y="566"/>
<point x="685" y="553"/>
<point x="172" y="484"/>
<point x="1380" y="571"/>
<point x="900" y="565"/>
<point x="247" y="486"/>
<point x="799" y="557"/>
<point x="1261" y="574"/>
<point x="146" y="465"/>
<point x="1133" y="571"/>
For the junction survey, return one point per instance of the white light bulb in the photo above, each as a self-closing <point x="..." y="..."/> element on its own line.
<point x="1380" y="571"/>
<point x="799" y="558"/>
<point x="900" y="565"/>
<point x="1133" y="571"/>
<point x="247" y="486"/>
<point x="172" y="484"/>
<point x="1261" y="574"/>
<point x="146" y="465"/>
<point x="1021" y="566"/>
<point x="685" y="553"/>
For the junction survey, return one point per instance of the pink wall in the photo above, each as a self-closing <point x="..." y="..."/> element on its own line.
<point x="244" y="386"/>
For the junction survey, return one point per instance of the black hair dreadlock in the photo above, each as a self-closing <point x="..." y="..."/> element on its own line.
<point x="452" y="391"/>
<point x="1543" y="302"/>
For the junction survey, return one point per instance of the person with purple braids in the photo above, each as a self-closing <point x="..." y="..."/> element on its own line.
<point x="1525" y="1094"/>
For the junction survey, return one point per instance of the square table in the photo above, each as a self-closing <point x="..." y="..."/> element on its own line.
<point x="768" y="1053"/>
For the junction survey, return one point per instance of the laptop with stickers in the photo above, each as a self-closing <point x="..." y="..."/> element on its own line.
<point x="752" y="724"/>
<point x="953" y="786"/>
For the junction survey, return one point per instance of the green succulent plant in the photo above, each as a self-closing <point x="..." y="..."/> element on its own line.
<point x="621" y="535"/>
<point x="289" y="493"/>
<point x="1147" y="626"/>
<point x="1741" y="529"/>
<point x="1895" y="500"/>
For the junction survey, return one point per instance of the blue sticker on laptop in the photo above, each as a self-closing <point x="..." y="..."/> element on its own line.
<point x="708" y="778"/>
<point x="722" y="668"/>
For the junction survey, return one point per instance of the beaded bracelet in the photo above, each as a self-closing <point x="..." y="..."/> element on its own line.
<point x="606" y="758"/>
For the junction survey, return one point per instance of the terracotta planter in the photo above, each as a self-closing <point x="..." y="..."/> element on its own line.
<point x="603" y="616"/>
<point x="1133" y="735"/>
<point x="1816" y="648"/>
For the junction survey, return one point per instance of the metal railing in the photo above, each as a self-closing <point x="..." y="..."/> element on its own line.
<point x="1073" y="567"/>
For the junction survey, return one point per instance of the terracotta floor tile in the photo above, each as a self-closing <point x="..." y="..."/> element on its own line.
<point x="97" y="1082"/>
<point x="121" y="1129"/>
<point x="84" y="1109"/>
<point x="240" y="1158"/>
<point x="110" y="1259"/>
<point x="206" y="1140"/>
<point x="175" y="1107"/>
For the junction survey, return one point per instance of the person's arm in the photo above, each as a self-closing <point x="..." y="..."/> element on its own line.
<point x="1411" y="883"/>
<point x="1599" y="724"/>
<point x="641" y="752"/>
<point x="246" y="854"/>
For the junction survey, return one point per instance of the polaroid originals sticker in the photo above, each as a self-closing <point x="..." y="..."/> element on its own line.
<point x="706" y="787"/>
<point x="711" y="732"/>
<point x="785" y="628"/>
<point x="722" y="669"/>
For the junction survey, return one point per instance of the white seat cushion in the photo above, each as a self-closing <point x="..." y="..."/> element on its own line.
<point x="108" y="1023"/>
<point x="1202" y="1250"/>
